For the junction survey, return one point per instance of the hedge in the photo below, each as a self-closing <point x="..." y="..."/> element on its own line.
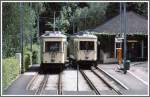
<point x="10" y="70"/>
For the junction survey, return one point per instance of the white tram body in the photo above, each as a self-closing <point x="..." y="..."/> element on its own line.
<point x="53" y="49"/>
<point x="83" y="48"/>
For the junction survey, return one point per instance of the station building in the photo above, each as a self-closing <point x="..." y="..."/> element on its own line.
<point x="137" y="38"/>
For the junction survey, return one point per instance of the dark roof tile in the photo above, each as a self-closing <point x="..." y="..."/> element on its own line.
<point x="136" y="24"/>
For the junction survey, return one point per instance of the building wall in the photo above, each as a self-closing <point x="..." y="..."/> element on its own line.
<point x="137" y="48"/>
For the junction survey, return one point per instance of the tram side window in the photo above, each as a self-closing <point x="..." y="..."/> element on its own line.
<point x="52" y="46"/>
<point x="86" y="45"/>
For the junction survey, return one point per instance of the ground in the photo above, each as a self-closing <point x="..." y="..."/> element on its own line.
<point x="136" y="80"/>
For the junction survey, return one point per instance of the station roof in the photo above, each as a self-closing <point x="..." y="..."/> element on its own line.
<point x="53" y="34"/>
<point x="136" y="24"/>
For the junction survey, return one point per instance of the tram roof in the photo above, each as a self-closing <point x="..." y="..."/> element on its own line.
<point x="53" y="34"/>
<point x="84" y="35"/>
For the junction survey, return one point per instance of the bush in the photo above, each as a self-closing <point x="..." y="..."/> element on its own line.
<point x="27" y="55"/>
<point x="10" y="70"/>
<point x="26" y="58"/>
<point x="35" y="54"/>
<point x="26" y="61"/>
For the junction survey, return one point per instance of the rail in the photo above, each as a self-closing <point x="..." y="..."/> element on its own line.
<point x="90" y="83"/>
<point x="31" y="81"/>
<point x="117" y="81"/>
<point x="42" y="85"/>
<point x="107" y="82"/>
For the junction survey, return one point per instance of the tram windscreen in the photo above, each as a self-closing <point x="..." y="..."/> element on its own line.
<point x="86" y="45"/>
<point x="52" y="46"/>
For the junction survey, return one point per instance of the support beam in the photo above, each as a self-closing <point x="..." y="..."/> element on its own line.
<point x="21" y="35"/>
<point x="73" y="23"/>
<point x="125" y="31"/>
<point x="142" y="49"/>
<point x="121" y="15"/>
<point x="115" y="50"/>
<point x="54" y="21"/>
<point x="30" y="32"/>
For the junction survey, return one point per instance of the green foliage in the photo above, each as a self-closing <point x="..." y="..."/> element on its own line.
<point x="139" y="7"/>
<point x="11" y="26"/>
<point x="27" y="57"/>
<point x="64" y="14"/>
<point x="83" y="15"/>
<point x="35" y="54"/>
<point x="92" y="16"/>
<point x="10" y="29"/>
<point x="10" y="71"/>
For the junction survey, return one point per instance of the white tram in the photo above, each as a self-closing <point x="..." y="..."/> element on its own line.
<point x="53" y="49"/>
<point x="83" y="48"/>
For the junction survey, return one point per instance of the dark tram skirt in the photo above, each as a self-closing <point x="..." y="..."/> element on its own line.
<point x="52" y="66"/>
<point x="87" y="63"/>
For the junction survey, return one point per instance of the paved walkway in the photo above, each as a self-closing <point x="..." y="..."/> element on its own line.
<point x="136" y="86"/>
<point x="140" y="70"/>
<point x="18" y="87"/>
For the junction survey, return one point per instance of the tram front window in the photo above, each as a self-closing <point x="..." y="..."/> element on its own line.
<point x="86" y="45"/>
<point x="52" y="46"/>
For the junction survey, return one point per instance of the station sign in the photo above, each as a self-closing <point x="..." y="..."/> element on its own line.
<point x="119" y="39"/>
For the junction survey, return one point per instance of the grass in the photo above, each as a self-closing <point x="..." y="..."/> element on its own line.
<point x="10" y="70"/>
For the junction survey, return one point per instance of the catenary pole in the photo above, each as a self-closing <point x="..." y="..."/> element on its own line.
<point x="21" y="35"/>
<point x="121" y="23"/>
<point x="31" y="30"/>
<point x="125" y="31"/>
<point x="54" y="22"/>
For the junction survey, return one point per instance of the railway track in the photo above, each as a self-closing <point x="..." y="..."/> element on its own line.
<point x="31" y="82"/>
<point x="97" y="79"/>
<point x="92" y="86"/>
<point x="108" y="81"/>
<point x="121" y="85"/>
<point x="42" y="85"/>
<point x="113" y="85"/>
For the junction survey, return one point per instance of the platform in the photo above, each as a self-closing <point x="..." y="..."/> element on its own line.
<point x="135" y="86"/>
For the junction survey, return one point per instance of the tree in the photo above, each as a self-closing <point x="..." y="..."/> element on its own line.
<point x="11" y="26"/>
<point x="64" y="15"/>
<point x="139" y="7"/>
<point x="93" y="15"/>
